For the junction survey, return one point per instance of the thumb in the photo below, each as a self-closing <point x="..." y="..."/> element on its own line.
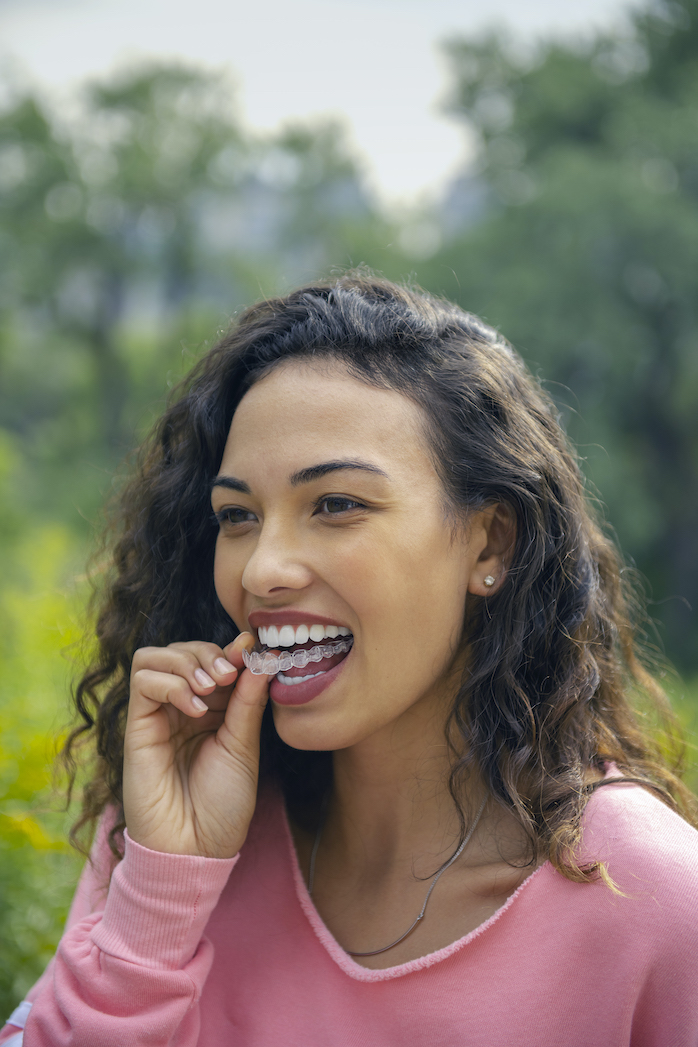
<point x="243" y="717"/>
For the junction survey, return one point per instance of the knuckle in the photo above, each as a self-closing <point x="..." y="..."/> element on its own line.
<point x="206" y="647"/>
<point x="143" y="655"/>
<point x="139" y="677"/>
<point x="190" y="646"/>
<point x="176" y="691"/>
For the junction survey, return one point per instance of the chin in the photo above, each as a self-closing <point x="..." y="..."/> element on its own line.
<point x="306" y="730"/>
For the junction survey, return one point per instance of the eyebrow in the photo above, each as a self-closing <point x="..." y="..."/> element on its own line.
<point x="303" y="476"/>
<point x="231" y="483"/>
<point x="315" y="472"/>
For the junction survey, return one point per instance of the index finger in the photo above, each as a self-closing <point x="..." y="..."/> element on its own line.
<point x="233" y="652"/>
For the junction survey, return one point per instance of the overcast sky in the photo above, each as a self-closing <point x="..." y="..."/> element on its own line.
<point x="376" y="63"/>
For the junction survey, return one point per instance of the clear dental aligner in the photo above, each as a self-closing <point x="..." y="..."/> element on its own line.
<point x="265" y="663"/>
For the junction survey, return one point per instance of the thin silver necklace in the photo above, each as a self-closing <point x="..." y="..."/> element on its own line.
<point x="432" y="885"/>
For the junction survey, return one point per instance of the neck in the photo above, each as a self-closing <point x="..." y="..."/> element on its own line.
<point x="391" y="808"/>
<point x="390" y="803"/>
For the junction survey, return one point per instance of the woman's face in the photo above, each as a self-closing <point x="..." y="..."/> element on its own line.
<point x="332" y="518"/>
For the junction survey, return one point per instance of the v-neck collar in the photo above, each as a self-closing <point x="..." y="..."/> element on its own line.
<point x="365" y="974"/>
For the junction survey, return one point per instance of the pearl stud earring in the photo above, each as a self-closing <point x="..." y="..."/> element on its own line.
<point x="489" y="580"/>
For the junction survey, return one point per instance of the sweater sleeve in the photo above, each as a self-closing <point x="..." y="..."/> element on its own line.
<point x="133" y="961"/>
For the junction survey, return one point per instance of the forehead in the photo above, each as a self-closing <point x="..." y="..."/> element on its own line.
<point x="303" y="408"/>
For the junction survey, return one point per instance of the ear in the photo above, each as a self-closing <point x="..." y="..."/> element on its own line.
<point x="490" y="569"/>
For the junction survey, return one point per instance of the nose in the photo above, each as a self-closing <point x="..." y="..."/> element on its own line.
<point x="276" y="563"/>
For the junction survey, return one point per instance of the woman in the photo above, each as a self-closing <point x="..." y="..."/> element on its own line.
<point x="455" y="830"/>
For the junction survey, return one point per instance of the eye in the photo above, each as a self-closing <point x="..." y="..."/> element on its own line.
<point x="335" y="505"/>
<point x="232" y="515"/>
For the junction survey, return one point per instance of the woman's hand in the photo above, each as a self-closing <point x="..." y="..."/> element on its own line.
<point x="191" y="751"/>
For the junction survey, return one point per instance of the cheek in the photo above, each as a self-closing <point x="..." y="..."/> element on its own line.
<point x="410" y="597"/>
<point x="226" y="579"/>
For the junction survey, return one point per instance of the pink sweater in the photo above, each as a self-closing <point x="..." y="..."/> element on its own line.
<point x="188" y="951"/>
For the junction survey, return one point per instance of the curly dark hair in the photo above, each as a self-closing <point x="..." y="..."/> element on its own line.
<point x="554" y="687"/>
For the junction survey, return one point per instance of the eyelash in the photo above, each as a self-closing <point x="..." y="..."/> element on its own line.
<point x="224" y="515"/>
<point x="337" y="498"/>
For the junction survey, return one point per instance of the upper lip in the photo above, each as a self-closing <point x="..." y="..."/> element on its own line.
<point x="286" y="616"/>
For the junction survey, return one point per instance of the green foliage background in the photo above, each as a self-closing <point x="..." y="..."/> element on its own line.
<point x="130" y="234"/>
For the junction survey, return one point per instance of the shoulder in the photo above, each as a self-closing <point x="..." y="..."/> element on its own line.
<point x="643" y="843"/>
<point x="643" y="936"/>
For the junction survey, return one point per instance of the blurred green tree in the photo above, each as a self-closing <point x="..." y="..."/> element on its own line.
<point x="586" y="255"/>
<point x="129" y="234"/>
<point x="99" y="231"/>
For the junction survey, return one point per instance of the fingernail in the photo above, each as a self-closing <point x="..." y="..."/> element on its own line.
<point x="198" y="704"/>
<point x="203" y="679"/>
<point x="222" y="666"/>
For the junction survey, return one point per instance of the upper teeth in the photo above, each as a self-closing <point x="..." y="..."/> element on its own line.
<point x="287" y="636"/>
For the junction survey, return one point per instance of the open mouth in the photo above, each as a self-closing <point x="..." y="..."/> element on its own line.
<point x="301" y="647"/>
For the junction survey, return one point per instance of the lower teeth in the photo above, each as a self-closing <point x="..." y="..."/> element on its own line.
<point x="289" y="680"/>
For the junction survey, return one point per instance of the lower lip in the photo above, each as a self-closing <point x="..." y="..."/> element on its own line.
<point x="301" y="693"/>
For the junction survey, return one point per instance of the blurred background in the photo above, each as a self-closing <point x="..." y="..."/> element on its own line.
<point x="164" y="164"/>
